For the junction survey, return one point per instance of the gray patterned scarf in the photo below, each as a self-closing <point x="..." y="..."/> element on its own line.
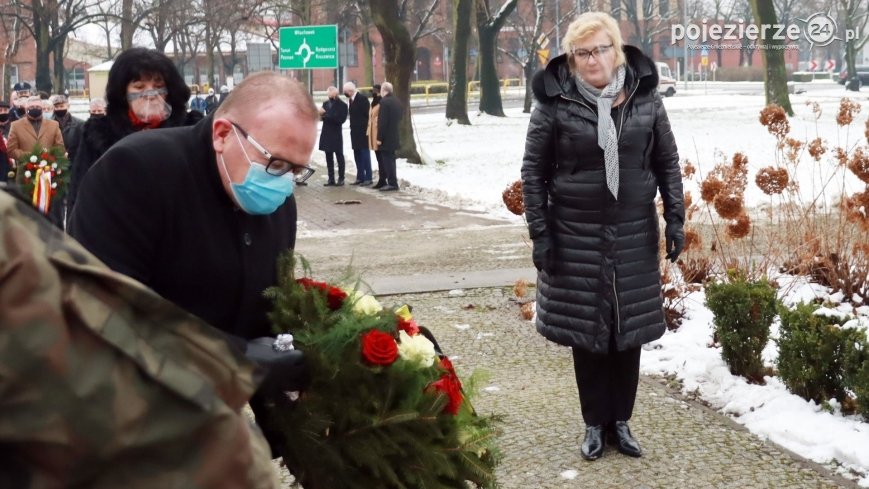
<point x="607" y="138"/>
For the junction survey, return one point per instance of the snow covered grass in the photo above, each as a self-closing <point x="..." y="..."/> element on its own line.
<point x="769" y="411"/>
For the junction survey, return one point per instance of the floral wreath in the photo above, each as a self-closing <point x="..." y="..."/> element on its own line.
<point x="385" y="408"/>
<point x="42" y="175"/>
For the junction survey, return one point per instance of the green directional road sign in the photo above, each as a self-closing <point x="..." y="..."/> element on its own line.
<point x="308" y="47"/>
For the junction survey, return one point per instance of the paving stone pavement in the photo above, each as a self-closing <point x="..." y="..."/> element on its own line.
<point x="686" y="445"/>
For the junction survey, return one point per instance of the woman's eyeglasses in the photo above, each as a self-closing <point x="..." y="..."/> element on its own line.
<point x="585" y="54"/>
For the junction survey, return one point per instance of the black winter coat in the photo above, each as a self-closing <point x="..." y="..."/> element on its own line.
<point x="602" y="270"/>
<point x="154" y="208"/>
<point x="331" y="136"/>
<point x="359" y="109"/>
<point x="98" y="134"/>
<point x="387" y="123"/>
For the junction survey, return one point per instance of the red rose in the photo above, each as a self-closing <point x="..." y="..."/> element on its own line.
<point x="409" y="326"/>
<point x="379" y="348"/>
<point x="450" y="386"/>
<point x="335" y="298"/>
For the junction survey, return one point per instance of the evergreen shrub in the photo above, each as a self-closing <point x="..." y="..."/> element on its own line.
<point x="743" y="312"/>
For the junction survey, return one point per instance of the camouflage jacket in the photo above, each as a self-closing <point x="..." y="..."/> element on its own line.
<point x="103" y="384"/>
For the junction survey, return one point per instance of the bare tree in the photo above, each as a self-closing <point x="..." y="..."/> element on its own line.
<point x="400" y="60"/>
<point x="648" y="21"/>
<point x="13" y="33"/>
<point x="457" y="98"/>
<point x="50" y="23"/>
<point x="856" y="13"/>
<point x="489" y="24"/>
<point x="775" y="76"/>
<point x="530" y="35"/>
<point x="162" y="22"/>
<point x="108" y="23"/>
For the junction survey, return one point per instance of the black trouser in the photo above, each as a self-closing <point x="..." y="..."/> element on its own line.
<point x="388" y="161"/>
<point x="330" y="166"/>
<point x="381" y="172"/>
<point x="607" y="384"/>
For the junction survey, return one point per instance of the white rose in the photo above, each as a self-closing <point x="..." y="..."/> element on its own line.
<point x="53" y="185"/>
<point x="416" y="349"/>
<point x="54" y="166"/>
<point x="27" y="173"/>
<point x="33" y="159"/>
<point x="43" y="163"/>
<point x="366" y="304"/>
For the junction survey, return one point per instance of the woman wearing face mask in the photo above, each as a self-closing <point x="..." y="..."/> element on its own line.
<point x="144" y="91"/>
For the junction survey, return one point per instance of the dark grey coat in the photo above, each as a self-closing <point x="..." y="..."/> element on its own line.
<point x="387" y="123"/>
<point x="603" y="266"/>
<point x="359" y="109"/>
<point x="331" y="137"/>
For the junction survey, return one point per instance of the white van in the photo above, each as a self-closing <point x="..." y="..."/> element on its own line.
<point x="666" y="82"/>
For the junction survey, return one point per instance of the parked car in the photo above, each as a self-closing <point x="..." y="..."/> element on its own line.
<point x="666" y="82"/>
<point x="862" y="74"/>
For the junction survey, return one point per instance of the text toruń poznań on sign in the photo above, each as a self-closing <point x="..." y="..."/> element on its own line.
<point x="308" y="47"/>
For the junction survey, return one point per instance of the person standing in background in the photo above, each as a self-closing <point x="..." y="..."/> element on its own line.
<point x="33" y="129"/>
<point x="97" y="108"/>
<point x="333" y="114"/>
<point x="359" y="108"/>
<point x="373" y="115"/>
<point x="70" y="126"/>
<point x="144" y="91"/>
<point x="4" y="131"/>
<point x="388" y="135"/>
<point x="197" y="103"/>
<point x="5" y="117"/>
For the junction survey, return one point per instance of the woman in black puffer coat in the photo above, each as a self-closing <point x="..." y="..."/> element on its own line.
<point x="144" y="91"/>
<point x="595" y="232"/>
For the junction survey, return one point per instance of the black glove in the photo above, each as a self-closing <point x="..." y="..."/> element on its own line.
<point x="541" y="252"/>
<point x="674" y="240"/>
<point x="287" y="371"/>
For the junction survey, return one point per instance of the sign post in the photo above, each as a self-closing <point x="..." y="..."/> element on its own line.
<point x="308" y="47"/>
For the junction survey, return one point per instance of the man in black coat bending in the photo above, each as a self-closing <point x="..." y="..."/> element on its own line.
<point x="201" y="213"/>
<point x="333" y="113"/>
<point x="388" y="135"/>
<point x="359" y="108"/>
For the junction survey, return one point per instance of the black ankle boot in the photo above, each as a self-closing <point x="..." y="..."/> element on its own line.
<point x="626" y="442"/>
<point x="592" y="446"/>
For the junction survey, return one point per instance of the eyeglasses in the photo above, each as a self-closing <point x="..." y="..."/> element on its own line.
<point x="584" y="54"/>
<point x="277" y="166"/>
<point x="157" y="92"/>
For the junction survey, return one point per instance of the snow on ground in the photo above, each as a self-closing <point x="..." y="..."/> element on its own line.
<point x="473" y="164"/>
<point x="769" y="411"/>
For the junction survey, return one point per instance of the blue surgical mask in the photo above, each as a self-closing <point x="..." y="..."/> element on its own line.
<point x="260" y="193"/>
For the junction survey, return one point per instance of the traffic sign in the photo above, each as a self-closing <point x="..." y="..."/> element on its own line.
<point x="830" y="65"/>
<point x="713" y="66"/>
<point x="308" y="47"/>
<point x="813" y="65"/>
<point x="704" y="52"/>
<point x="704" y="61"/>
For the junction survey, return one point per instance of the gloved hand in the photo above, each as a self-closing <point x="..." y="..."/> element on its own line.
<point x="287" y="371"/>
<point x="541" y="253"/>
<point x="674" y="240"/>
